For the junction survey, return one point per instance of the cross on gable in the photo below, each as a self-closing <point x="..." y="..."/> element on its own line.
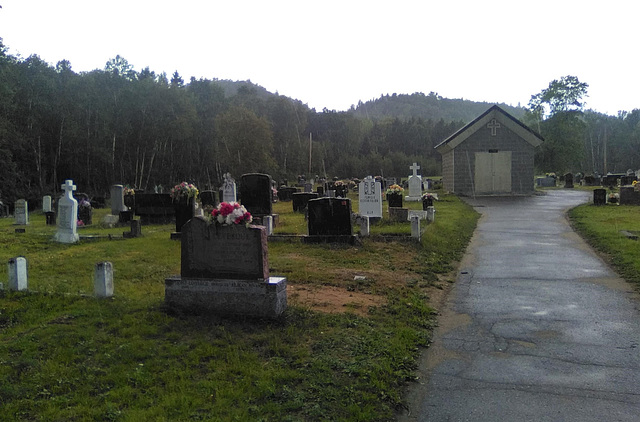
<point x="68" y="187"/>
<point x="415" y="167"/>
<point x="494" y="126"/>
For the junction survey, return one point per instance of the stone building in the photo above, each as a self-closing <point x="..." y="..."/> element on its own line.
<point x="492" y="155"/>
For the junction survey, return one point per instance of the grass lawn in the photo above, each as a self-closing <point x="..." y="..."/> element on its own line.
<point x="66" y="356"/>
<point x="602" y="226"/>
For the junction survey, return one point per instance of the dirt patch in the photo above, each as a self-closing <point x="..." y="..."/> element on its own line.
<point x="332" y="299"/>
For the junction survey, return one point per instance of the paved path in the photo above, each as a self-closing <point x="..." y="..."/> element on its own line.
<point x="537" y="327"/>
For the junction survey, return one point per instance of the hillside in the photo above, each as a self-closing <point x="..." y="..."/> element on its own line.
<point x="430" y="106"/>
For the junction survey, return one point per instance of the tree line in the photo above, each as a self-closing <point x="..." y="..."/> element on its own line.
<point x="116" y="125"/>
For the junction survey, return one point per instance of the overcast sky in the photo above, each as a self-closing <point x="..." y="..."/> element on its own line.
<point x="331" y="54"/>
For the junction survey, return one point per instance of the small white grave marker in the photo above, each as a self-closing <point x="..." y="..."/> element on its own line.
<point x="18" y="273"/>
<point x="364" y="226"/>
<point x="103" y="279"/>
<point x="46" y="203"/>
<point x="117" y="200"/>
<point x="67" y="215"/>
<point x="415" y="227"/>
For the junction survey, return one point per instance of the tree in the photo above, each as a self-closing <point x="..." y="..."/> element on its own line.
<point x="557" y="115"/>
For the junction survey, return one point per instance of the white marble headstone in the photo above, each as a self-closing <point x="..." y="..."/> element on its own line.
<point x="117" y="200"/>
<point x="415" y="184"/>
<point x="67" y="231"/>
<point x="21" y="212"/>
<point x="370" y="197"/>
<point x="46" y="203"/>
<point x="229" y="189"/>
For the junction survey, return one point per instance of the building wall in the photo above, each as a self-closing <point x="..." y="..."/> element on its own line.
<point x="447" y="171"/>
<point x="522" y="153"/>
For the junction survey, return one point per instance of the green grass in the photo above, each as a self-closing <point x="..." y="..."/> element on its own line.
<point x="66" y="356"/>
<point x="601" y="226"/>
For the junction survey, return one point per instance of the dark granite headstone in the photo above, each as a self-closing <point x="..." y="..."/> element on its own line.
<point x="223" y="252"/>
<point x="629" y="196"/>
<point x="320" y="191"/>
<point x="427" y="202"/>
<point x="285" y="193"/>
<point x="330" y="217"/>
<point x="568" y="180"/>
<point x="184" y="212"/>
<point x="300" y="200"/>
<point x="208" y="198"/>
<point x="341" y="191"/>
<point x="50" y="217"/>
<point x="256" y="193"/>
<point x="154" y="208"/>
<point x="599" y="196"/>
<point x="395" y="200"/>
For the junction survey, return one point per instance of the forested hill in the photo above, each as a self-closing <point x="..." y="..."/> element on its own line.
<point x="431" y="106"/>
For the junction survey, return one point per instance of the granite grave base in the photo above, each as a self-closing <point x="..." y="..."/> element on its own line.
<point x="266" y="299"/>
<point x="398" y="214"/>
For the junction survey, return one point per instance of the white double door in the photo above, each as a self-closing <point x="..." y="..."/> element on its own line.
<point x="493" y="172"/>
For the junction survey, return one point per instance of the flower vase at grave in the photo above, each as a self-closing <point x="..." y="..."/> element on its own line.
<point x="129" y="201"/>
<point x="184" y="211"/>
<point x="426" y="203"/>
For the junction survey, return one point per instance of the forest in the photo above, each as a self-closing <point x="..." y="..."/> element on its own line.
<point x="142" y="129"/>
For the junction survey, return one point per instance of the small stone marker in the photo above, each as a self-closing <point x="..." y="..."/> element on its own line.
<point x="229" y="189"/>
<point x="267" y="222"/>
<point x="103" y="279"/>
<point x="18" y="273"/>
<point x="415" y="227"/>
<point x="364" y="226"/>
<point x="21" y="212"/>
<point x="49" y="214"/>
<point x="67" y="231"/>
<point x="431" y="214"/>
<point x="370" y="197"/>
<point x="46" y="203"/>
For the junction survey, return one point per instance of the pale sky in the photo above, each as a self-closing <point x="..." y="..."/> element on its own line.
<point x="334" y="53"/>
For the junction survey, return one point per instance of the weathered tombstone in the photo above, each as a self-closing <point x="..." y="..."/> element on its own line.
<point x="21" y="212"/>
<point x="415" y="227"/>
<point x="208" y="198"/>
<point x="629" y="195"/>
<point x="568" y="180"/>
<point x="330" y="217"/>
<point x="103" y="279"/>
<point x="398" y="214"/>
<point x="370" y="198"/>
<point x="17" y="269"/>
<point x="546" y="182"/>
<point x="67" y="231"/>
<point x="431" y="214"/>
<point x="256" y="194"/>
<point x="300" y="200"/>
<point x="225" y="270"/>
<point x="308" y="187"/>
<point x="134" y="231"/>
<point x="49" y="214"/>
<point x="364" y="226"/>
<point x="320" y="191"/>
<point x="415" y="184"/>
<point x="285" y="193"/>
<point x="599" y="197"/>
<point x="421" y="214"/>
<point x="229" y="189"/>
<point x="117" y="200"/>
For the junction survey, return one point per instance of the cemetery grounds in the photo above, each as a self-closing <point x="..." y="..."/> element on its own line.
<point x="345" y="349"/>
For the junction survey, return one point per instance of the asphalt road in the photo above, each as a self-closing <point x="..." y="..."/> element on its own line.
<point x="536" y="328"/>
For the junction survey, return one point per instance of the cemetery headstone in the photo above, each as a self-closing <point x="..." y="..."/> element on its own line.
<point x="415" y="227"/>
<point x="154" y="208"/>
<point x="568" y="180"/>
<point x="256" y="193"/>
<point x="117" y="200"/>
<point x="629" y="195"/>
<point x="300" y="200"/>
<point x="545" y="182"/>
<point x="225" y="270"/>
<point x="208" y="198"/>
<point x="103" y="279"/>
<point x="21" y="212"/>
<point x="285" y="193"/>
<point x="229" y="189"/>
<point x="398" y="214"/>
<point x="330" y="217"/>
<point x="49" y="214"/>
<point x="599" y="197"/>
<point x="415" y="184"/>
<point x="370" y="198"/>
<point x="308" y="187"/>
<point x="320" y="191"/>
<point x="17" y="269"/>
<point x="67" y="215"/>
<point x="364" y="226"/>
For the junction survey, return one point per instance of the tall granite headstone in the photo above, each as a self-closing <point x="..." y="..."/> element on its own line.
<point x="256" y="194"/>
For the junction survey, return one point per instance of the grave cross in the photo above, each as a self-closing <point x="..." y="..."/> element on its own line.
<point x="68" y="187"/>
<point x="494" y="126"/>
<point x="415" y="167"/>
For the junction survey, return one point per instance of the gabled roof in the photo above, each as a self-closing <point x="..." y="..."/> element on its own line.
<point x="481" y="121"/>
